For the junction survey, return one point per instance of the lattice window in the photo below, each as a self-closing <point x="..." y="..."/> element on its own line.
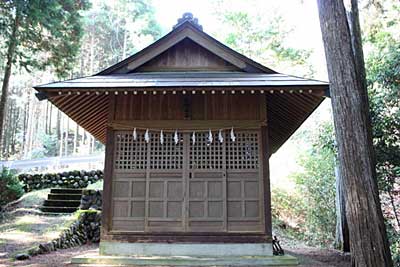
<point x="167" y="155"/>
<point x="206" y="155"/>
<point x="130" y="154"/>
<point x="243" y="153"/>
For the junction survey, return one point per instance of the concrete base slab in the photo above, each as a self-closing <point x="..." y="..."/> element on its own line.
<point x="285" y="260"/>
<point x="185" y="249"/>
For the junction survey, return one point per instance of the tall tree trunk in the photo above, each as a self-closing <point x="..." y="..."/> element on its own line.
<point x="74" y="150"/>
<point x="368" y="240"/>
<point x="342" y="230"/>
<point x="91" y="55"/>
<point x="60" y="130"/>
<point x="50" y="119"/>
<point x="28" y="115"/>
<point x="66" y="136"/>
<point x="7" y="71"/>
<point x="124" y="45"/>
<point x="58" y="126"/>
<point x="7" y="131"/>
<point x="46" y="121"/>
<point x="92" y="144"/>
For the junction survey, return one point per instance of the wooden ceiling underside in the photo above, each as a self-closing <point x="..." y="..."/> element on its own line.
<point x="286" y="112"/>
<point x="89" y="111"/>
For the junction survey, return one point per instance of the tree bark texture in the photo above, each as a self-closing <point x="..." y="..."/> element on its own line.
<point x="7" y="72"/>
<point x="368" y="240"/>
<point x="342" y="230"/>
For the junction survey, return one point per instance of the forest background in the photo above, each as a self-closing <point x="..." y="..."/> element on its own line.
<point x="284" y="36"/>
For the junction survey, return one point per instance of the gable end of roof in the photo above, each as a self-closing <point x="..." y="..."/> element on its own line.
<point x="186" y="30"/>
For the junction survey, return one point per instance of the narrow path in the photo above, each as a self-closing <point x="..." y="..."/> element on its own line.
<point x="25" y="226"/>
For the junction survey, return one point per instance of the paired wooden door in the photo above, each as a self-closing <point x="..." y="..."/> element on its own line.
<point x="189" y="186"/>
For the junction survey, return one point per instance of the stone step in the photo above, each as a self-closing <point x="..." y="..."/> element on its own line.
<point x="65" y="191"/>
<point x="61" y="203"/>
<point x="64" y="196"/>
<point x="93" y="259"/>
<point x="58" y="209"/>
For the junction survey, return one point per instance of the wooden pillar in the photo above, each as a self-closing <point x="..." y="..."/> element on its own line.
<point x="107" y="185"/>
<point x="108" y="173"/>
<point x="266" y="180"/>
<point x="264" y="160"/>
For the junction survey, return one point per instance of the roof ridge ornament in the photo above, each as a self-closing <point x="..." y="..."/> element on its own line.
<point x="187" y="16"/>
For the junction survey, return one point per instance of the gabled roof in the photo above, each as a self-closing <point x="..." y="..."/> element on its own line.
<point x="178" y="34"/>
<point x="290" y="99"/>
<point x="134" y="81"/>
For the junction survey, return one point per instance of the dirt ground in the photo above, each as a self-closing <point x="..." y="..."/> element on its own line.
<point x="310" y="257"/>
<point x="24" y="226"/>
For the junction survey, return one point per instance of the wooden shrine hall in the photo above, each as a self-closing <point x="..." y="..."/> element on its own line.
<point x="189" y="126"/>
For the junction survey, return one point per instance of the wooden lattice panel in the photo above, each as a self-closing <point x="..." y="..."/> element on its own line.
<point x="130" y="154"/>
<point x="243" y="153"/>
<point x="168" y="155"/>
<point x="205" y="155"/>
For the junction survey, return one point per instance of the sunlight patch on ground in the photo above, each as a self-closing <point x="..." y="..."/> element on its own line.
<point x="30" y="219"/>
<point x="17" y="236"/>
<point x="35" y="198"/>
<point x="97" y="185"/>
<point x="51" y="235"/>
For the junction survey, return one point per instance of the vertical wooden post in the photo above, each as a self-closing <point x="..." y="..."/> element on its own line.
<point x="264" y="160"/>
<point x="266" y="180"/>
<point x="108" y="173"/>
<point x="107" y="186"/>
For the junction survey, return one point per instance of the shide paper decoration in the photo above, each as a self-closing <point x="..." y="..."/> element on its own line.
<point x="233" y="137"/>
<point x="194" y="138"/>
<point x="210" y="137"/>
<point x="147" y="136"/>
<point x="220" y="137"/>
<point x="176" y="138"/>
<point x="134" y="134"/>
<point x="161" y="137"/>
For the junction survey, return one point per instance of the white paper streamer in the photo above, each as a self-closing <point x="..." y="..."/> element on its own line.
<point x="210" y="137"/>
<point x="176" y="138"/>
<point x="194" y="138"/>
<point x="161" y="137"/>
<point x="220" y="137"/>
<point x="233" y="137"/>
<point x="147" y="136"/>
<point x="134" y="134"/>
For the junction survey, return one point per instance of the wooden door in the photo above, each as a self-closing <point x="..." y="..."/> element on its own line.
<point x="189" y="186"/>
<point x="148" y="183"/>
<point x="206" y="185"/>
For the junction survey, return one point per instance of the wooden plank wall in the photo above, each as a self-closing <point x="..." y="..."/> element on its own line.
<point x="181" y="107"/>
<point x="186" y="56"/>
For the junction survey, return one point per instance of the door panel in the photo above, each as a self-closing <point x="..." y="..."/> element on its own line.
<point x="190" y="186"/>
<point x="206" y="201"/>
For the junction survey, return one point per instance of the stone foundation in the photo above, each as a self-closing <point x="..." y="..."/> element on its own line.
<point x="185" y="249"/>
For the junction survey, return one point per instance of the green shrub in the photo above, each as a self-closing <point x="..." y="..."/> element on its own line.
<point x="288" y="213"/>
<point x="317" y="186"/>
<point x="10" y="188"/>
<point x="308" y="213"/>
